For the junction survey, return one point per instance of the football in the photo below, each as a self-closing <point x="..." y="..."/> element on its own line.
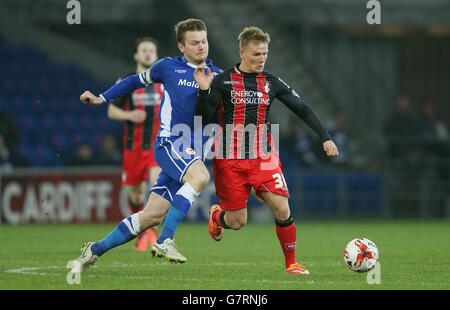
<point x="361" y="254"/>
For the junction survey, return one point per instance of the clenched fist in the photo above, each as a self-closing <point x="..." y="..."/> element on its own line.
<point x="90" y="98"/>
<point x="330" y="148"/>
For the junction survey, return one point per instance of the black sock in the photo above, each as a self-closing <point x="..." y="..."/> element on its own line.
<point x="222" y="221"/>
<point x="285" y="223"/>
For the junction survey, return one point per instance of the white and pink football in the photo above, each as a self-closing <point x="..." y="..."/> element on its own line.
<point x="361" y="255"/>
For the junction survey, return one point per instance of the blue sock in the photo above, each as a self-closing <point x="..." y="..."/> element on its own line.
<point x="181" y="204"/>
<point x="125" y="231"/>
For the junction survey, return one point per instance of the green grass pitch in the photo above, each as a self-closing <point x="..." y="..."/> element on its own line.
<point x="413" y="255"/>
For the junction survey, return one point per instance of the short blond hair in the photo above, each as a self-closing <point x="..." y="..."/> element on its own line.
<point x="252" y="34"/>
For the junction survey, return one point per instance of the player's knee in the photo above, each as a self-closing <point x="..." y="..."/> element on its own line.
<point x="282" y="214"/>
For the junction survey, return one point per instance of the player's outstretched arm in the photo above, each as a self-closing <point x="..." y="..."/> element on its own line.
<point x="121" y="88"/>
<point x="126" y="86"/>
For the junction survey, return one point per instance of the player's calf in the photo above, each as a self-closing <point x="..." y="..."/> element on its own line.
<point x="154" y="212"/>
<point x="220" y="220"/>
<point x="235" y="219"/>
<point x="285" y="229"/>
<point x="236" y="224"/>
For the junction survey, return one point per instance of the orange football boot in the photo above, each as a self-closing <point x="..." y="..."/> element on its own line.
<point x="146" y="239"/>
<point x="152" y="236"/>
<point x="141" y="244"/>
<point x="215" y="230"/>
<point x="297" y="269"/>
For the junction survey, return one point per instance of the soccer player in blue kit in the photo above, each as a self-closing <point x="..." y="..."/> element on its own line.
<point x="183" y="174"/>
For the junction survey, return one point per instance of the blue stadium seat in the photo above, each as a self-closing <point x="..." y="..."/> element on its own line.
<point x="87" y="123"/>
<point x="50" y="123"/>
<point x="44" y="84"/>
<point x="25" y="150"/>
<point x="319" y="193"/>
<point x="28" y="123"/>
<point x="43" y="156"/>
<point x="364" y="191"/>
<point x="9" y="85"/>
<point x="74" y="105"/>
<point x="68" y="123"/>
<point x="17" y="104"/>
<point x="62" y="143"/>
<point x="47" y="109"/>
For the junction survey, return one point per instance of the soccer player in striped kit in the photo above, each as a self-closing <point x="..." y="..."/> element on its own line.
<point x="242" y="96"/>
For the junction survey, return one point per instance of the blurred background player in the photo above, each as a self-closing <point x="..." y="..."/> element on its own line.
<point x="242" y="95"/>
<point x="139" y="112"/>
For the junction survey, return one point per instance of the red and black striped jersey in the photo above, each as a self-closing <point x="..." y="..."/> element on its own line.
<point x="141" y="136"/>
<point x="243" y="101"/>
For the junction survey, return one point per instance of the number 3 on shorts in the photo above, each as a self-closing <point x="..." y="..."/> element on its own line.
<point x="279" y="180"/>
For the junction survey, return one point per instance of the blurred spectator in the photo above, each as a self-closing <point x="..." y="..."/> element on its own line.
<point x="83" y="157"/>
<point x="5" y="156"/>
<point x="404" y="154"/>
<point x="339" y="134"/>
<point x="435" y="142"/>
<point x="304" y="146"/>
<point x="9" y="142"/>
<point x="110" y="155"/>
<point x="8" y="130"/>
<point x="401" y="131"/>
<point x="433" y="132"/>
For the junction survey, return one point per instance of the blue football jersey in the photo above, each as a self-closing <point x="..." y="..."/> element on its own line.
<point x="180" y="90"/>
